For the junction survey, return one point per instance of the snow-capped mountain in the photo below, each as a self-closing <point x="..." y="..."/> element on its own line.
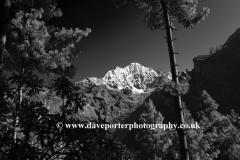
<point x="134" y="77"/>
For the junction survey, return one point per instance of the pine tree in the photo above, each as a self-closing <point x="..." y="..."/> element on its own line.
<point x="218" y="137"/>
<point x="9" y="7"/>
<point x="201" y="140"/>
<point x="161" y="14"/>
<point x="147" y="136"/>
<point x="154" y="142"/>
<point x="37" y="46"/>
<point x="208" y="107"/>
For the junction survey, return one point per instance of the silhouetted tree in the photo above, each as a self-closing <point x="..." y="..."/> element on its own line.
<point x="40" y="47"/>
<point x="161" y="14"/>
<point x="38" y="136"/>
<point x="217" y="138"/>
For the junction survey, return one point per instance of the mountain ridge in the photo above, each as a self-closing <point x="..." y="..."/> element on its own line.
<point x="134" y="77"/>
<point x="218" y="75"/>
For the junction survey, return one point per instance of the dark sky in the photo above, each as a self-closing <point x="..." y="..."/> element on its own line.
<point x="119" y="36"/>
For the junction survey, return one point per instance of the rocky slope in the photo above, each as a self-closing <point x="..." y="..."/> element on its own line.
<point x="218" y="74"/>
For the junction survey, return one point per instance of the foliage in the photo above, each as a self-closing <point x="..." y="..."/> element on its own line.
<point x="38" y="137"/>
<point x="47" y="49"/>
<point x="44" y="48"/>
<point x="155" y="142"/>
<point x="217" y="138"/>
<point x="173" y="89"/>
<point x="182" y="10"/>
<point x="49" y="7"/>
<point x="10" y="7"/>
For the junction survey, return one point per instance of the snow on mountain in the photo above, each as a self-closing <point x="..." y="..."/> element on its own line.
<point x="134" y="77"/>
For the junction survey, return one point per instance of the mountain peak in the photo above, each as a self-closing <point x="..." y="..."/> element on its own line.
<point x="135" y="68"/>
<point x="134" y="76"/>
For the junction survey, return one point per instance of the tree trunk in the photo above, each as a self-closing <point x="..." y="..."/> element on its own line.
<point x="174" y="71"/>
<point x="5" y="6"/>
<point x="18" y="106"/>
